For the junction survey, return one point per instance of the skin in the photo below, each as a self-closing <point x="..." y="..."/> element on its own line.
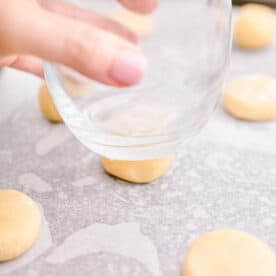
<point x="33" y="30"/>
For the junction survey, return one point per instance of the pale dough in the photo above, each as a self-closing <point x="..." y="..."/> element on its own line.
<point x="252" y="98"/>
<point x="19" y="224"/>
<point x="137" y="171"/>
<point x="255" y="26"/>
<point x="74" y="88"/>
<point x="136" y="121"/>
<point x="229" y="253"/>
<point x="142" y="25"/>
<point x="47" y="105"/>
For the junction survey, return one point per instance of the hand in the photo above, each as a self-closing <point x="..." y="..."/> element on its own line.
<point x="32" y="30"/>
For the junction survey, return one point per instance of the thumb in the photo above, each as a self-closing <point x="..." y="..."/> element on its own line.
<point x="93" y="52"/>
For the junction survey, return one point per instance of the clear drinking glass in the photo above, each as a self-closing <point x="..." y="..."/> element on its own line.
<point x="187" y="51"/>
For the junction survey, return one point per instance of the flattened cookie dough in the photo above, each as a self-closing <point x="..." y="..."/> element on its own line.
<point x="255" y="26"/>
<point x="136" y="121"/>
<point x="137" y="171"/>
<point x="142" y="25"/>
<point x="19" y="224"/>
<point x="229" y="252"/>
<point x="47" y="105"/>
<point x="252" y="97"/>
<point x="74" y="88"/>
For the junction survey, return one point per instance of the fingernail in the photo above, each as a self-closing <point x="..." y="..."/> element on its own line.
<point x="128" y="68"/>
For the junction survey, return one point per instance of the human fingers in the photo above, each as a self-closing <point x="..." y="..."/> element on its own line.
<point x="25" y="63"/>
<point x="90" y="17"/>
<point x="91" y="51"/>
<point x="142" y="6"/>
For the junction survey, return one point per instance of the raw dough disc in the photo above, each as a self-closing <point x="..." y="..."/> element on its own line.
<point x="252" y="98"/>
<point x="47" y="105"/>
<point x="137" y="121"/>
<point x="255" y="26"/>
<point x="75" y="84"/>
<point x="74" y="88"/>
<point x="131" y="122"/>
<point x="140" y="24"/>
<point x="229" y="253"/>
<point x="19" y="224"/>
<point x="137" y="171"/>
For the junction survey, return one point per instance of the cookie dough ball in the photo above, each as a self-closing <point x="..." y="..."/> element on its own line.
<point x="255" y="27"/>
<point x="19" y="224"/>
<point x="137" y="171"/>
<point x="229" y="252"/>
<point x="140" y="24"/>
<point x="47" y="105"/>
<point x="252" y="98"/>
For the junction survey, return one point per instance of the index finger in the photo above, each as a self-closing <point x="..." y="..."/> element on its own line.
<point x="141" y="6"/>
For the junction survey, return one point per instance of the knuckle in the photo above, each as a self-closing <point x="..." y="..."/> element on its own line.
<point x="79" y="45"/>
<point x="85" y="48"/>
<point x="74" y="49"/>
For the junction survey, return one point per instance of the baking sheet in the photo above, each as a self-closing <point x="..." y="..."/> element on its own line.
<point x="96" y="225"/>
